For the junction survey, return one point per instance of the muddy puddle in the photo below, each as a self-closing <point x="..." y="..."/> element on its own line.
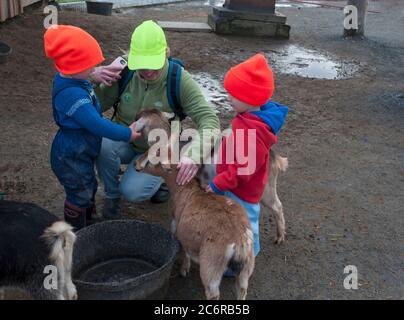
<point x="220" y="3"/>
<point x="292" y="59"/>
<point x="279" y="4"/>
<point x="307" y="63"/>
<point x="162" y="5"/>
<point x="291" y="4"/>
<point x="216" y="3"/>
<point x="212" y="89"/>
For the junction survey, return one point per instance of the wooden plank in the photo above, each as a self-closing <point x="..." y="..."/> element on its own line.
<point x="25" y="3"/>
<point x="185" y="26"/>
<point x="9" y="9"/>
<point x="3" y="10"/>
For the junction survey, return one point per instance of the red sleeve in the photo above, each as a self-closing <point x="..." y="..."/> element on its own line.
<point x="239" y="173"/>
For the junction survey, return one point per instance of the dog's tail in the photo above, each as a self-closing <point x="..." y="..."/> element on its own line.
<point x="60" y="238"/>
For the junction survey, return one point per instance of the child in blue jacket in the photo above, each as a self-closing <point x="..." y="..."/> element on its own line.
<point x="77" y="113"/>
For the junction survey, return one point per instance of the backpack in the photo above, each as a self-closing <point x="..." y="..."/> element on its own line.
<point x="173" y="87"/>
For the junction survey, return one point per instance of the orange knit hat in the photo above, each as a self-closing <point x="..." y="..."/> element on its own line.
<point x="251" y="81"/>
<point x="72" y="49"/>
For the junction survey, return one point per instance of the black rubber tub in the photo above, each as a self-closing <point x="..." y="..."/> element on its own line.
<point x="5" y="51"/>
<point x="123" y="260"/>
<point x="98" y="7"/>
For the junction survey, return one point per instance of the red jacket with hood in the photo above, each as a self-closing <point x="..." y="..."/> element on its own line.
<point x="238" y="152"/>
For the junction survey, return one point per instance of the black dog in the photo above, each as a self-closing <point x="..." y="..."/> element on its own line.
<point x="31" y="238"/>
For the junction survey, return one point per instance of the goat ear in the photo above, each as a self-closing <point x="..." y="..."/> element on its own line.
<point x="141" y="162"/>
<point x="169" y="115"/>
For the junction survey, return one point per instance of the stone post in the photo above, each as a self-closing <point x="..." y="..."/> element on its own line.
<point x="362" y="7"/>
<point x="249" y="18"/>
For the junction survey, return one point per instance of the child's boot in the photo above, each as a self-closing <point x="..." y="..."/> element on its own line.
<point x="75" y="216"/>
<point x="91" y="216"/>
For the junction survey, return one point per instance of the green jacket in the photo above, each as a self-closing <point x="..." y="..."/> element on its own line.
<point x="140" y="95"/>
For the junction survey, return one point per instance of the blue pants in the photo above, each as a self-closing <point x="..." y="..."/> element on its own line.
<point x="77" y="178"/>
<point x="253" y="213"/>
<point x="72" y="161"/>
<point x="135" y="186"/>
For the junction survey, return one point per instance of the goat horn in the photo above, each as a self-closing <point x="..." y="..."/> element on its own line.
<point x="140" y="124"/>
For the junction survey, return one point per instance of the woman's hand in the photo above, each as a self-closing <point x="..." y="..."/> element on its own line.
<point x="188" y="170"/>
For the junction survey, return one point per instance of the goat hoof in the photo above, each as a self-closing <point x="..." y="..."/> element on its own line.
<point x="184" y="273"/>
<point x="72" y="294"/>
<point x="280" y="239"/>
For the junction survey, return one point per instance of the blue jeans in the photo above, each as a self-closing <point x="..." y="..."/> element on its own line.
<point x="72" y="158"/>
<point x="253" y="213"/>
<point x="135" y="186"/>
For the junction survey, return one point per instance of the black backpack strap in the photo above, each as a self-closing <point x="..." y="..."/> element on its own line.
<point x="126" y="76"/>
<point x="173" y="87"/>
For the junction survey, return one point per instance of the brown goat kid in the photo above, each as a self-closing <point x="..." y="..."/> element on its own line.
<point x="270" y="197"/>
<point x="213" y="230"/>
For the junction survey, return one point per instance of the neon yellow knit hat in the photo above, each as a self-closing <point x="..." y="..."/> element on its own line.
<point x="148" y="47"/>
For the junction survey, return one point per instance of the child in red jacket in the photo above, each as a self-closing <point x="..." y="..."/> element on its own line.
<point x="242" y="164"/>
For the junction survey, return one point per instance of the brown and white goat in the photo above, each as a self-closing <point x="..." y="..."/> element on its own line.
<point x="270" y="197"/>
<point x="213" y="230"/>
<point x="153" y="119"/>
<point x="31" y="239"/>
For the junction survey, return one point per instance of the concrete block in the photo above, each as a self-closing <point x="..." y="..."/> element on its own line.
<point x="185" y="26"/>
<point x="246" y="15"/>
<point x="249" y="28"/>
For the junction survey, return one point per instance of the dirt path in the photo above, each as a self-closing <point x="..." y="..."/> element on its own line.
<point x="343" y="194"/>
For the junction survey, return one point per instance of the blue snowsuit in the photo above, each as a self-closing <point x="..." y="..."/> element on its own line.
<point x="77" y="112"/>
